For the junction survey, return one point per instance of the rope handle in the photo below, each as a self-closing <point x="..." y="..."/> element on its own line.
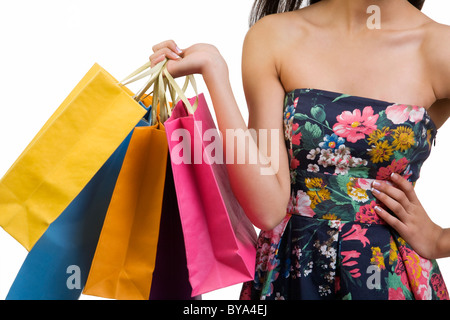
<point x="162" y="82"/>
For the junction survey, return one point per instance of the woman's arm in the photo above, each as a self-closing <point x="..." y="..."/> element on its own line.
<point x="264" y="197"/>
<point x="441" y="112"/>
<point x="436" y="50"/>
<point x="411" y="220"/>
<point x="443" y="244"/>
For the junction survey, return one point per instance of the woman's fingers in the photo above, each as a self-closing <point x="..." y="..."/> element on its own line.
<point x="162" y="54"/>
<point x="399" y="197"/>
<point x="390" y="195"/>
<point x="390" y="202"/>
<point x="195" y="59"/>
<point x="405" y="186"/>
<point x="391" y="220"/>
<point x="409" y="217"/>
<point x="394" y="199"/>
<point x="167" y="49"/>
<point x="167" y="44"/>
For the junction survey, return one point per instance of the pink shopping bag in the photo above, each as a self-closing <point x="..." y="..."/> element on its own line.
<point x="219" y="239"/>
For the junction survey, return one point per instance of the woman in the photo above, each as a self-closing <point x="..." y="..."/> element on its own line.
<point x="339" y="218"/>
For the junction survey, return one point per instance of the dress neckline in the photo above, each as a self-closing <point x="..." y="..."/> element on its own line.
<point x="335" y="93"/>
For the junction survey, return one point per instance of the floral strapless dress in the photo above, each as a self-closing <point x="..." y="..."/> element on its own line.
<point x="332" y="244"/>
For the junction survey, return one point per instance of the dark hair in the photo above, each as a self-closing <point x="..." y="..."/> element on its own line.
<point x="263" y="8"/>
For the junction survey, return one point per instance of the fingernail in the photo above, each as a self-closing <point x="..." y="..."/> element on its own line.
<point x="377" y="208"/>
<point x="393" y="175"/>
<point x="178" y="50"/>
<point x="376" y="184"/>
<point x="375" y="191"/>
<point x="174" y="55"/>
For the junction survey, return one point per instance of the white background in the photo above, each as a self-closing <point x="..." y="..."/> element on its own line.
<point x="47" y="46"/>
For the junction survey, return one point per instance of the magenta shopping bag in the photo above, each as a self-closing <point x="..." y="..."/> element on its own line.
<point x="219" y="238"/>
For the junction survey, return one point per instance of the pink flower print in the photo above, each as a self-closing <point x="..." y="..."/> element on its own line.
<point x="275" y="233"/>
<point x="356" y="233"/>
<point x="354" y="126"/>
<point x="348" y="263"/>
<point x="301" y="205"/>
<point x="296" y="137"/>
<point x="397" y="166"/>
<point x="355" y="273"/>
<point x="365" y="184"/>
<point x="337" y="284"/>
<point x="400" y="270"/>
<point x="268" y="246"/>
<point x="418" y="270"/>
<point x="367" y="214"/>
<point x="396" y="294"/>
<point x="294" y="161"/>
<point x="262" y="257"/>
<point x="439" y="287"/>
<point x="348" y="255"/>
<point x="399" y="113"/>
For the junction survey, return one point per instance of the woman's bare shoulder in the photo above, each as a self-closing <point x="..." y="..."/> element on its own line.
<point x="437" y="32"/>
<point x="437" y="52"/>
<point x="276" y="31"/>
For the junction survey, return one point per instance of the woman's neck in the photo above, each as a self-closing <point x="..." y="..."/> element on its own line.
<point x="352" y="16"/>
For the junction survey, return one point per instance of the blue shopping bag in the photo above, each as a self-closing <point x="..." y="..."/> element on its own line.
<point x="57" y="266"/>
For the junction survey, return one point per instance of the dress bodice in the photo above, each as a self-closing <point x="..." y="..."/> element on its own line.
<point x="338" y="143"/>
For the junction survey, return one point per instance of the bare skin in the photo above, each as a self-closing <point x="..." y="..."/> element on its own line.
<point x="328" y="46"/>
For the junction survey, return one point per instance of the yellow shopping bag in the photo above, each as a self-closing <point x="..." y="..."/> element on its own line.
<point x="65" y="154"/>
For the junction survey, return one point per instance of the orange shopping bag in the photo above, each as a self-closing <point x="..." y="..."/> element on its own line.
<point x="124" y="260"/>
<point x="125" y="256"/>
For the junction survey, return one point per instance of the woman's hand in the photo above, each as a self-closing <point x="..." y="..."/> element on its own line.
<point x="410" y="220"/>
<point x="200" y="58"/>
<point x="267" y="207"/>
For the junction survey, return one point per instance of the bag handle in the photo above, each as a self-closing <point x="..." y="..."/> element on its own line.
<point x="160" y="86"/>
<point x="159" y="95"/>
<point x="181" y="96"/>
<point x="162" y="110"/>
<point x="137" y="72"/>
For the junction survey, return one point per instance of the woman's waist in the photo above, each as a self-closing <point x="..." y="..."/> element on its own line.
<point x="334" y="197"/>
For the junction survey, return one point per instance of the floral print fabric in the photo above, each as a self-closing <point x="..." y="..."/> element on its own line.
<point x="332" y="244"/>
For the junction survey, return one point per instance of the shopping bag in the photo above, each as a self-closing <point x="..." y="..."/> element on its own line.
<point x="170" y="279"/>
<point x="57" y="266"/>
<point x="219" y="238"/>
<point x="67" y="152"/>
<point x="125" y="255"/>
